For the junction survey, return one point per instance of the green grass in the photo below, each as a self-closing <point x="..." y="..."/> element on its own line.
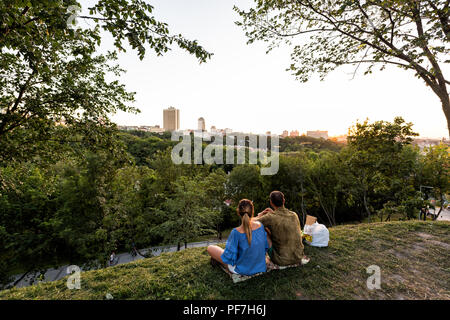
<point x="394" y="217"/>
<point x="414" y="258"/>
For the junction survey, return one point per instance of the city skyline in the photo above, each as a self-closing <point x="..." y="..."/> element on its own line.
<point x="243" y="87"/>
<point x="201" y="125"/>
<point x="300" y="131"/>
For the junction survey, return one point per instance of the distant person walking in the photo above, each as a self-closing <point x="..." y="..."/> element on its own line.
<point x="112" y="259"/>
<point x="423" y="214"/>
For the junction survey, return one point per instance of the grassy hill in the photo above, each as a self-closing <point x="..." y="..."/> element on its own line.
<point x="414" y="258"/>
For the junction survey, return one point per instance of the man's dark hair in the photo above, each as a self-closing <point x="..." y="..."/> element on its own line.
<point x="277" y="198"/>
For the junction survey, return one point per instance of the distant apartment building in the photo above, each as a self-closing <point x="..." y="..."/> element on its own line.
<point x="341" y="138"/>
<point x="171" y="119"/>
<point x="128" y="128"/>
<point x="216" y="131"/>
<point x="155" y="129"/>
<point x="201" y="124"/>
<point x="318" y="134"/>
<point x="294" y="133"/>
<point x="285" y="134"/>
<point x="428" y="142"/>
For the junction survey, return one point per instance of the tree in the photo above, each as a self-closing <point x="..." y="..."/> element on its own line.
<point x="50" y="73"/>
<point x="246" y="182"/>
<point x="168" y="172"/>
<point x="127" y="217"/>
<point x="84" y="189"/>
<point x="214" y="185"/>
<point x="293" y="144"/>
<point x="143" y="148"/>
<point x="378" y="161"/>
<point x="291" y="180"/>
<point x="410" y="34"/>
<point x="27" y="206"/>
<point x="436" y="171"/>
<point x="186" y="214"/>
<point x="323" y="177"/>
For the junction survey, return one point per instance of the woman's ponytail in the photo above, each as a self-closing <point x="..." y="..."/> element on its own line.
<point x="246" y="210"/>
<point x="247" y="227"/>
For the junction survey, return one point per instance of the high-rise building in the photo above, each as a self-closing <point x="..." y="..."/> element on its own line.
<point x="294" y="133"/>
<point x="285" y="134"/>
<point x="201" y="124"/>
<point x="318" y="134"/>
<point x="171" y="119"/>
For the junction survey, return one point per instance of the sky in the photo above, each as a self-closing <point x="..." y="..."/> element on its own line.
<point x="247" y="90"/>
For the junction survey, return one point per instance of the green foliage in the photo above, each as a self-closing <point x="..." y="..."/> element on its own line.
<point x="27" y="207"/>
<point x="325" y="35"/>
<point x="380" y="163"/>
<point x="143" y="148"/>
<point x="400" y="249"/>
<point x="68" y="191"/>
<point x="128" y="213"/>
<point x="50" y="74"/>
<point x="291" y="180"/>
<point x="245" y="182"/>
<point x="292" y="144"/>
<point x="435" y="171"/>
<point x="93" y="198"/>
<point x="323" y="177"/>
<point x="351" y="32"/>
<point x="191" y="211"/>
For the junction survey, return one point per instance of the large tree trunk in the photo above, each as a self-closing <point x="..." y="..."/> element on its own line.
<point x="303" y="204"/>
<point x="366" y="206"/>
<point x="446" y="109"/>
<point x="325" y="210"/>
<point x="435" y="217"/>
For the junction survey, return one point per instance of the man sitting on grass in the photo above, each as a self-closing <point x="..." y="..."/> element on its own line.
<point x="283" y="226"/>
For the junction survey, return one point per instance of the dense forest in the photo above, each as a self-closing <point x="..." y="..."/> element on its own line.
<point x="79" y="203"/>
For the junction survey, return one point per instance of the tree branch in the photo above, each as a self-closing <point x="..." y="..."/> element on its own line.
<point x="423" y="43"/>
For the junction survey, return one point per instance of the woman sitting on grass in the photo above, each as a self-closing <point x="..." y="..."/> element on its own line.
<point x="245" y="251"/>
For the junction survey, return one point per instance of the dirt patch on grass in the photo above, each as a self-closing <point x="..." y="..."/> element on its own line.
<point x="424" y="235"/>
<point x="407" y="253"/>
<point x="397" y="277"/>
<point x="398" y="254"/>
<point x="417" y="248"/>
<point x="428" y="238"/>
<point x="439" y="243"/>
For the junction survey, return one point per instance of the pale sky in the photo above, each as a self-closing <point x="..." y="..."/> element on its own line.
<point x="247" y="90"/>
